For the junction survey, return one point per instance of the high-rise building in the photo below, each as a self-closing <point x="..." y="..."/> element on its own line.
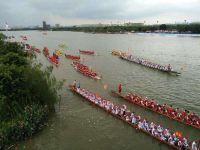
<point x="44" y="25"/>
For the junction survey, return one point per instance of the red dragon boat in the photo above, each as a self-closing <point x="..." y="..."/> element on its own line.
<point x="45" y="51"/>
<point x="85" y="70"/>
<point x="73" y="57"/>
<point x="87" y="52"/>
<point x="190" y="119"/>
<point x="53" y="60"/>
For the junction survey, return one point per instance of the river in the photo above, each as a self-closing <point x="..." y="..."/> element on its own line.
<point x="77" y="125"/>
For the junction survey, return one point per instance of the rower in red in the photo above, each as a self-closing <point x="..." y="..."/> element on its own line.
<point x="120" y="88"/>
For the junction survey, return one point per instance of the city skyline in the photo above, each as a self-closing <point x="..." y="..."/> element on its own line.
<point x="76" y="12"/>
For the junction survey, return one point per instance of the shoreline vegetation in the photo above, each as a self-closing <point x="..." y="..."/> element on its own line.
<point x="28" y="94"/>
<point x="192" y="28"/>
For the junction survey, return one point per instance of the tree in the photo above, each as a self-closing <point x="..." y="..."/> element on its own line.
<point x="163" y="27"/>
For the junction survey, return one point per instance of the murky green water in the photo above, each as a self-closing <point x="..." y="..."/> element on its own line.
<point x="79" y="125"/>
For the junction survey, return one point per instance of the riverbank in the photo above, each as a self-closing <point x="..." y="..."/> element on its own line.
<point x="27" y="94"/>
<point x="163" y="28"/>
<point x="193" y="28"/>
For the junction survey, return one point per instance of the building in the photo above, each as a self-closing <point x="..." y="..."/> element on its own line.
<point x="57" y="25"/>
<point x="46" y="26"/>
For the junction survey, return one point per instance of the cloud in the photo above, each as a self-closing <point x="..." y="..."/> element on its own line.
<point x="65" y="12"/>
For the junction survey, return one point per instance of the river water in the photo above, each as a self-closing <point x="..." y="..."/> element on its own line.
<point x="77" y="125"/>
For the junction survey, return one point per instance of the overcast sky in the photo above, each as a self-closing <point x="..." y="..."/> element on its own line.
<point x="72" y="12"/>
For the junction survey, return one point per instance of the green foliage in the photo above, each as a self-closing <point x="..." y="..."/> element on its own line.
<point x="29" y="122"/>
<point x="2" y="36"/>
<point x="181" y="28"/>
<point x="12" y="58"/>
<point x="163" y="27"/>
<point x="6" y="48"/>
<point x="27" y="93"/>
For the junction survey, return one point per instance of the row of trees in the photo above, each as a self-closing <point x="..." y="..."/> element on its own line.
<point x="180" y="28"/>
<point x="27" y="94"/>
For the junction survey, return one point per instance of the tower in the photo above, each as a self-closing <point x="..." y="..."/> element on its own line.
<point x="44" y="25"/>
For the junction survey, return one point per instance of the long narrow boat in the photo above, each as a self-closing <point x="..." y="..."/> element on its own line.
<point x="58" y="52"/>
<point x="153" y="109"/>
<point x="148" y="64"/>
<point x="98" y="102"/>
<point x="83" y="69"/>
<point x="118" y="53"/>
<point x="87" y="52"/>
<point x="54" y="61"/>
<point x="45" y="51"/>
<point x="73" y="57"/>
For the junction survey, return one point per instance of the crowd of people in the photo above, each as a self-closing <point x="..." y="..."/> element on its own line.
<point x="181" y="115"/>
<point x="147" y="63"/>
<point x="151" y="128"/>
<point x="84" y="70"/>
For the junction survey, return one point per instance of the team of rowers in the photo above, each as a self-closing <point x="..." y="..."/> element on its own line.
<point x="73" y="57"/>
<point x="147" y="63"/>
<point x="54" y="58"/>
<point x="46" y="51"/>
<point x="84" y="69"/>
<point x="151" y="128"/>
<point x="175" y="113"/>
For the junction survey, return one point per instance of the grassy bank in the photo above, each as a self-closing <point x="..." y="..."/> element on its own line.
<point x="27" y="94"/>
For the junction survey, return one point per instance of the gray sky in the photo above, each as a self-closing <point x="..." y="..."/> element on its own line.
<point x="71" y="12"/>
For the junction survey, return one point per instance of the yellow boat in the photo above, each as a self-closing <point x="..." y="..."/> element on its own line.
<point x="58" y="52"/>
<point x="118" y="53"/>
